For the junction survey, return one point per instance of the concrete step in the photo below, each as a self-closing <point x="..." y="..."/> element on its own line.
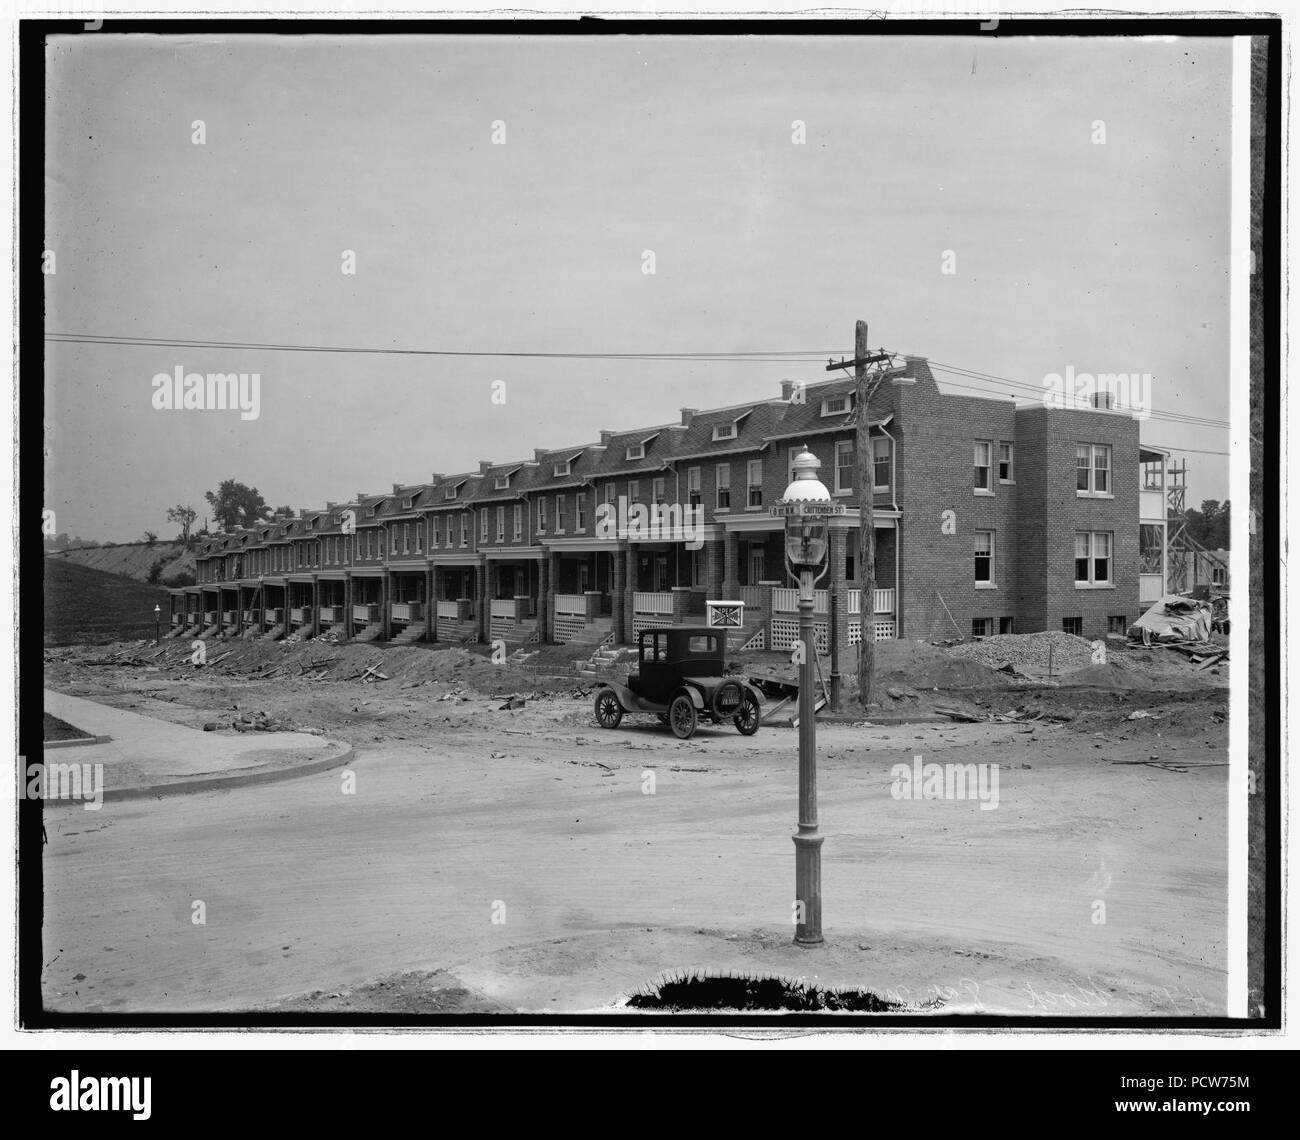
<point x="368" y="633"/>
<point x="275" y="633"/>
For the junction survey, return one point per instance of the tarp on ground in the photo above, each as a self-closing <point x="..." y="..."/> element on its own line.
<point x="1173" y="618"/>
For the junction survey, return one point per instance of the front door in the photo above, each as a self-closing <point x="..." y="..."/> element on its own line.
<point x="757" y="564"/>
<point x="661" y="573"/>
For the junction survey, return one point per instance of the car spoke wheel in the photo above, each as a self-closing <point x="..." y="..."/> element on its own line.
<point x="609" y="713"/>
<point x="681" y="716"/>
<point x="746" y="720"/>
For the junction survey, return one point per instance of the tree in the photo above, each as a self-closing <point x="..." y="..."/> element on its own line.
<point x="184" y="517"/>
<point x="1211" y="526"/>
<point x="155" y="571"/>
<point x="150" y="538"/>
<point x="234" y="505"/>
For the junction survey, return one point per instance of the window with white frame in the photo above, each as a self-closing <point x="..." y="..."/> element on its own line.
<point x="1092" y="469"/>
<point x="562" y="468"/>
<point x="984" y="558"/>
<point x="694" y="494"/>
<point x="1006" y="463"/>
<point x="580" y="512"/>
<point x="419" y="538"/>
<point x="754" y="483"/>
<point x="437" y="530"/>
<point x="406" y="538"/>
<point x="724" y="431"/>
<point x="518" y="519"/>
<point x="380" y="541"/>
<point x="541" y="516"/>
<point x="611" y="493"/>
<point x="501" y="524"/>
<point x="844" y="464"/>
<point x="837" y="405"/>
<point x="723" y="484"/>
<point x="559" y="514"/>
<point x="464" y="529"/>
<point x="452" y="491"/>
<point x="482" y="524"/>
<point x="657" y="490"/>
<point x="501" y="483"/>
<point x="1092" y="549"/>
<point x="984" y="467"/>
<point x="882" y="463"/>
<point x="633" y="491"/>
<point x="635" y="451"/>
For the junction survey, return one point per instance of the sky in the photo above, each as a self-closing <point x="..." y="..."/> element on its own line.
<point x="921" y="154"/>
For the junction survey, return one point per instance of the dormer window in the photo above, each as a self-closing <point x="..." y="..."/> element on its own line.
<point x="406" y="503"/>
<point x="370" y="512"/>
<point x="724" y="431"/>
<point x="501" y="483"/>
<point x="636" y="451"/>
<point x="837" y="405"/>
<point x="561" y="469"/>
<point x="452" y="491"/>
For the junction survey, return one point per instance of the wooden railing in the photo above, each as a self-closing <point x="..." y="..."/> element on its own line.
<point x="448" y="609"/>
<point x="577" y="604"/>
<point x="653" y="603"/>
<point x="228" y="617"/>
<point x="363" y="612"/>
<point x="275" y="615"/>
<point x="754" y="597"/>
<point x="300" y="613"/>
<point x="406" y="611"/>
<point x="331" y="613"/>
<point x="503" y="607"/>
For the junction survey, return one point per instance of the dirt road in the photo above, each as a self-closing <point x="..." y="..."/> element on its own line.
<point x="517" y="860"/>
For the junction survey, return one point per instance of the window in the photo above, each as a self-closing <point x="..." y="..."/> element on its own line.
<point x="1073" y="625"/>
<point x="1153" y="475"/>
<point x="611" y="493"/>
<point x="754" y="483"/>
<point x="1092" y="469"/>
<point x="1006" y="463"/>
<point x="580" y="512"/>
<point x="633" y="491"/>
<point x="482" y="524"/>
<point x="844" y="466"/>
<point x="981" y="627"/>
<point x="1006" y="625"/>
<point x="1117" y="623"/>
<point x="882" y="464"/>
<point x="501" y="482"/>
<point x="501" y="524"/>
<point x="723" y="480"/>
<point x="464" y="529"/>
<point x="694" y="496"/>
<point x="541" y="516"/>
<point x="450" y="493"/>
<point x="704" y="644"/>
<point x="657" y="490"/>
<point x="379" y="542"/>
<point x="559" y="514"/>
<point x="984" y="467"/>
<point x="1218" y="576"/>
<point x="406" y="503"/>
<point x="437" y="530"/>
<point x="419" y="538"/>
<point x="406" y="538"/>
<point x="983" y="558"/>
<point x="1092" y="558"/>
<point x="518" y="522"/>
<point x="724" y="431"/>
<point x="562" y="468"/>
<point x="837" y="405"/>
<point x="370" y="544"/>
<point x="636" y="451"/>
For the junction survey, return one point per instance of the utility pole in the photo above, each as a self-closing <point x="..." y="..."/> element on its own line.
<point x="862" y="357"/>
<point x="866" y="521"/>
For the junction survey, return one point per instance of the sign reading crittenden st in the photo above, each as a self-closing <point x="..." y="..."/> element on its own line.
<point x="798" y="510"/>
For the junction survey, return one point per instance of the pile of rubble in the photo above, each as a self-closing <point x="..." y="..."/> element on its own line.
<point x="1029" y="652"/>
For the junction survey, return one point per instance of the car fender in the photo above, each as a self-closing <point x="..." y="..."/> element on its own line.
<point x="697" y="698"/>
<point x="625" y="696"/>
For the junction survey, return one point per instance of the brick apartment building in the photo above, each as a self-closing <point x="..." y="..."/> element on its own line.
<point x="988" y="519"/>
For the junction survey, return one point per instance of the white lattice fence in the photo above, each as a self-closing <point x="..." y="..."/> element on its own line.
<point x="649" y="621"/>
<point x="567" y="627"/>
<point x="786" y="632"/>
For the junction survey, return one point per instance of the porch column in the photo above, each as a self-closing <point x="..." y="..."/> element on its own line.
<point x="616" y="591"/>
<point x="731" y="565"/>
<point x="347" y="604"/>
<point x="315" y="605"/>
<point x="628" y="601"/>
<point x="430" y="621"/>
<point x="385" y="593"/>
<point x="545" y="598"/>
<point x="837" y="598"/>
<point x="714" y="572"/>
<point x="481" y="583"/>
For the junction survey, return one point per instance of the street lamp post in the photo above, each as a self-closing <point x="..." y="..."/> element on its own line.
<point x="157" y="622"/>
<point x="806" y="507"/>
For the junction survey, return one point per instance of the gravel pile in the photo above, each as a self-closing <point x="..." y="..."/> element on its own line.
<point x="1028" y="652"/>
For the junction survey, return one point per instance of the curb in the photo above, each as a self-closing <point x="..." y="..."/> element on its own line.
<point x="236" y="780"/>
<point x="46" y="745"/>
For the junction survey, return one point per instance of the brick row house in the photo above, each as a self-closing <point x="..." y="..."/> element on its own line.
<point x="989" y="518"/>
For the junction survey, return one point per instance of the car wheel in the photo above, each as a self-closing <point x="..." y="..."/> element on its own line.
<point x="609" y="713"/>
<point x="746" y="720"/>
<point x="681" y="716"/>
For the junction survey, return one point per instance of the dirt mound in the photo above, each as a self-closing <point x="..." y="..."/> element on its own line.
<point x="1112" y="675"/>
<point x="1029" y="652"/>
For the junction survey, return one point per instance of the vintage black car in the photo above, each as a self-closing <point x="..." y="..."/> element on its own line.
<point x="680" y="679"/>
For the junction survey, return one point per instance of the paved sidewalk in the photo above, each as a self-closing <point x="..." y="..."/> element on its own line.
<point x="150" y="756"/>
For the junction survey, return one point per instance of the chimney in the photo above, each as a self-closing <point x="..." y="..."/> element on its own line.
<point x="330" y="506"/>
<point x="538" y="452"/>
<point x="787" y="388"/>
<point x="688" y="414"/>
<point x="907" y="379"/>
<point x="437" y="477"/>
<point x="303" y="512"/>
<point x="605" y="437"/>
<point x="361" y="497"/>
<point x="396" y="487"/>
<point x="484" y="465"/>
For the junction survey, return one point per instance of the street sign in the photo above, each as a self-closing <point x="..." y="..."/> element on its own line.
<point x="788" y="510"/>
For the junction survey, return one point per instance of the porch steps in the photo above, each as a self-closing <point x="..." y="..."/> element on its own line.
<point x="412" y="633"/>
<point x="370" y="633"/>
<point x="208" y="632"/>
<point x="275" y="633"/>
